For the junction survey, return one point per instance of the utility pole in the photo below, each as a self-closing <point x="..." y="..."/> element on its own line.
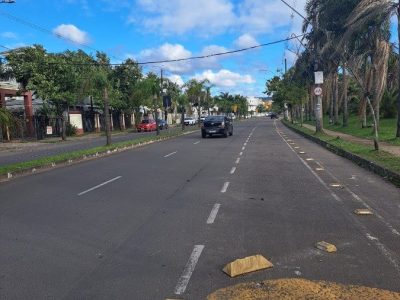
<point x="318" y="105"/>
<point x="156" y="106"/>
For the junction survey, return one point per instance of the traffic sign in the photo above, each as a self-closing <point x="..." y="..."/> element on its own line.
<point x="318" y="91"/>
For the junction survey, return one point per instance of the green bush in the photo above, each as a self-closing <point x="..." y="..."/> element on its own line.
<point x="71" y="129"/>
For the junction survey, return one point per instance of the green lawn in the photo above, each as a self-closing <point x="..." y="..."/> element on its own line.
<point x="379" y="157"/>
<point x="387" y="130"/>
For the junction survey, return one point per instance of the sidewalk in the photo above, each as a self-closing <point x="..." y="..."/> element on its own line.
<point x="30" y="145"/>
<point x="395" y="150"/>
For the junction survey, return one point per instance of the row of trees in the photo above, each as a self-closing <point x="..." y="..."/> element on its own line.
<point x="350" y="41"/>
<point x="65" y="79"/>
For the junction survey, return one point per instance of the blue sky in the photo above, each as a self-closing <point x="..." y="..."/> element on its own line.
<point x="166" y="29"/>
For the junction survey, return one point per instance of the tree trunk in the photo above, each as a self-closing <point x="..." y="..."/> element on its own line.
<point x="345" y="104"/>
<point x="107" y="118"/>
<point x="331" y="108"/>
<point x="335" y="99"/>
<point x="376" y="137"/>
<point x="398" y="73"/>
<point x="63" y="128"/>
<point x="364" y="114"/>
<point x="183" y="119"/>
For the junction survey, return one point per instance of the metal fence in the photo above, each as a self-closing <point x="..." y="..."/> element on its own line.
<point x="41" y="126"/>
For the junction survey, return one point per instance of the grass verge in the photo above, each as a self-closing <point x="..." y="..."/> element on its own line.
<point x="81" y="154"/>
<point x="381" y="158"/>
<point x="387" y="129"/>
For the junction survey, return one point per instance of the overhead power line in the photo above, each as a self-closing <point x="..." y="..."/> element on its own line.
<point x="194" y="57"/>
<point x="219" y="53"/>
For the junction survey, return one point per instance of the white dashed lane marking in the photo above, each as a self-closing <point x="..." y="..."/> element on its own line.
<point x="168" y="155"/>
<point x="225" y="187"/>
<point x="213" y="213"/>
<point x="188" y="271"/>
<point x="100" y="185"/>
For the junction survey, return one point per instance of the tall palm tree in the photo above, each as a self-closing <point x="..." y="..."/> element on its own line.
<point x="376" y="13"/>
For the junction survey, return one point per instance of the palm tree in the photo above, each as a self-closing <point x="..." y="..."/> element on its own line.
<point x="376" y="13"/>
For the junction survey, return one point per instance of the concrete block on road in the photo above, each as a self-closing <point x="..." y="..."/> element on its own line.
<point x="325" y="246"/>
<point x="247" y="265"/>
<point x="363" y="212"/>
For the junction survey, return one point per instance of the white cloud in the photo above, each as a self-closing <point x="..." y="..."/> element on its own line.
<point x="225" y="78"/>
<point x="72" y="33"/>
<point x="168" y="52"/>
<point x="179" y="16"/>
<point x="246" y="40"/>
<point x="9" y="35"/>
<point x="213" y="17"/>
<point x="268" y="16"/>
<point x="176" y="79"/>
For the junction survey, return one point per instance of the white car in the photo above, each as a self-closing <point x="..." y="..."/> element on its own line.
<point x="189" y="121"/>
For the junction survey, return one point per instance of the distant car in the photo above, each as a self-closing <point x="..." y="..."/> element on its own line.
<point x="202" y="118"/>
<point x="267" y="114"/>
<point x="146" y="125"/>
<point x="189" y="121"/>
<point x="273" y="115"/>
<point x="216" y="125"/>
<point x="162" y="124"/>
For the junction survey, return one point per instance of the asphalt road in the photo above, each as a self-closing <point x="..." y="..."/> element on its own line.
<point x="23" y="152"/>
<point x="162" y="220"/>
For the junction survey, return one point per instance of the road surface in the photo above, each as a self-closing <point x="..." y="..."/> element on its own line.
<point x="161" y="221"/>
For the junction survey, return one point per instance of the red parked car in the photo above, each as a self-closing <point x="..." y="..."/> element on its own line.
<point x="146" y="125"/>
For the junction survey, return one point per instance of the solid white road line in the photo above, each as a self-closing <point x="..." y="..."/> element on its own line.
<point x="195" y="143"/>
<point x="233" y="170"/>
<point x="100" y="185"/>
<point x="213" y="213"/>
<point x="237" y="160"/>
<point x="171" y="154"/>
<point x="225" y="187"/>
<point x="188" y="271"/>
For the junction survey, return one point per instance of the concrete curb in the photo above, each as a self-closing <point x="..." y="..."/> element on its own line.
<point x="389" y="175"/>
<point x="68" y="162"/>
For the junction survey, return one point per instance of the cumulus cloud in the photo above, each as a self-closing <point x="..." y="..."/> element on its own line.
<point x="212" y="17"/>
<point x="72" y="33"/>
<point x="9" y="35"/>
<point x="176" y="79"/>
<point x="225" y="78"/>
<point x="179" y="17"/>
<point x="168" y="52"/>
<point x="246" y="40"/>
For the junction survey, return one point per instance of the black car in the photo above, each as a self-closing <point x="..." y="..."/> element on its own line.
<point x="216" y="125"/>
<point x="273" y="115"/>
<point x="162" y="124"/>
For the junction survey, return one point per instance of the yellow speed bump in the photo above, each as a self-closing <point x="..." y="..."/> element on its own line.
<point x="247" y="265"/>
<point x="327" y="247"/>
<point x="363" y="211"/>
